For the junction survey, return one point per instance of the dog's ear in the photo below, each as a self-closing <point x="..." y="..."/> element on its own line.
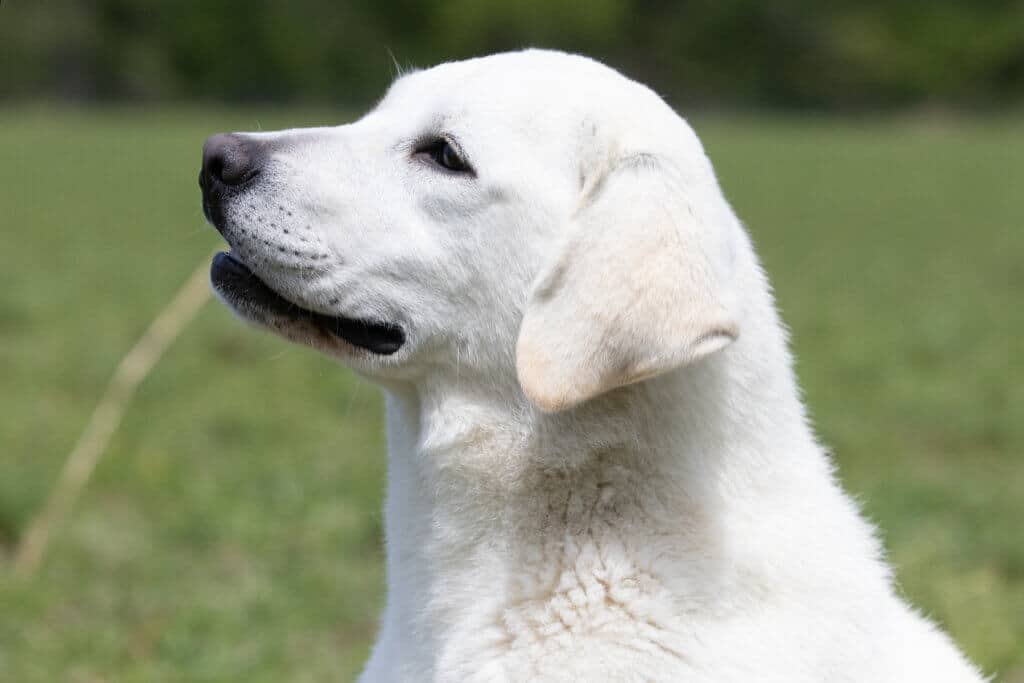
<point x="634" y="291"/>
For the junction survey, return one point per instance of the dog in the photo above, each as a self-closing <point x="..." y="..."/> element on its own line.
<point x="599" y="465"/>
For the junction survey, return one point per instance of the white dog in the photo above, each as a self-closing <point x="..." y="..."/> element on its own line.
<point x="599" y="467"/>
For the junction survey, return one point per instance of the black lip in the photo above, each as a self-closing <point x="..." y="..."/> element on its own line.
<point x="240" y="285"/>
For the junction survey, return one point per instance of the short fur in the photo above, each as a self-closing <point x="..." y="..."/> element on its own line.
<point x="599" y="466"/>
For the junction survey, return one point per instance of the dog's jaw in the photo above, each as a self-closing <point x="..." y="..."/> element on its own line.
<point x="253" y="300"/>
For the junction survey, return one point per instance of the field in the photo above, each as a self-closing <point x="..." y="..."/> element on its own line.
<point x="232" y="532"/>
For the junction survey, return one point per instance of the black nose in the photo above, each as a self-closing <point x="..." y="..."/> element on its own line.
<point x="229" y="159"/>
<point x="229" y="162"/>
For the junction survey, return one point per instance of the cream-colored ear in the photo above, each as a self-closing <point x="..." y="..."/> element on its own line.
<point x="633" y="292"/>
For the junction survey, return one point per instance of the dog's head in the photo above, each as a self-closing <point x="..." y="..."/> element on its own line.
<point x="533" y="215"/>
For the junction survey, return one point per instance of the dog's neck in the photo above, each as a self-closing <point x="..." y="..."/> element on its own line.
<point x="486" y="494"/>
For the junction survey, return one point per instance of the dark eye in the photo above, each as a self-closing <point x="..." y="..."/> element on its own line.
<point x="444" y="154"/>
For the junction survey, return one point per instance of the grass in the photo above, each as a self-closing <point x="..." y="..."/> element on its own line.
<point x="233" y="531"/>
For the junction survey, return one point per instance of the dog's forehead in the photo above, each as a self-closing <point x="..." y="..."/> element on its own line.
<point x="515" y="83"/>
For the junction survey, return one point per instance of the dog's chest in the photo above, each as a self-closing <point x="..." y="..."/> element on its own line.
<point x="592" y="587"/>
<point x="579" y="580"/>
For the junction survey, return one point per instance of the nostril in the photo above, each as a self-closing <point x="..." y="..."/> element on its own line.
<point x="216" y="168"/>
<point x="231" y="168"/>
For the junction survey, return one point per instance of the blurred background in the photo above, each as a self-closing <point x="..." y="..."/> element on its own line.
<point x="232" y="530"/>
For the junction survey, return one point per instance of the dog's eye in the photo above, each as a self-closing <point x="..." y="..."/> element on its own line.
<point x="444" y="154"/>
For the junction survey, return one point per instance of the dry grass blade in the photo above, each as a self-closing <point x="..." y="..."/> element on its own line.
<point x="105" y="419"/>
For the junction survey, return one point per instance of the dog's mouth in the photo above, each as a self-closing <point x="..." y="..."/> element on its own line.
<point x="253" y="299"/>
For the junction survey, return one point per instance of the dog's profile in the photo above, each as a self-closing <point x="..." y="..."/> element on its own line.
<point x="599" y="466"/>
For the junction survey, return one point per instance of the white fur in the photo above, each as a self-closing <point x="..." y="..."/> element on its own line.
<point x="599" y="467"/>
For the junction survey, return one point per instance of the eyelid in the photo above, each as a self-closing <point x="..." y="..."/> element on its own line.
<point x="427" y="141"/>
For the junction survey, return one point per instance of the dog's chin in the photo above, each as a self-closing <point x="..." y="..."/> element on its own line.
<point x="256" y="302"/>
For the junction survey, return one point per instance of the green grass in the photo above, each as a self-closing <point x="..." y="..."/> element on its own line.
<point x="233" y="531"/>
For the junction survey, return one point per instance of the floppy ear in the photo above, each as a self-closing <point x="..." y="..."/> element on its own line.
<point x="633" y="293"/>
